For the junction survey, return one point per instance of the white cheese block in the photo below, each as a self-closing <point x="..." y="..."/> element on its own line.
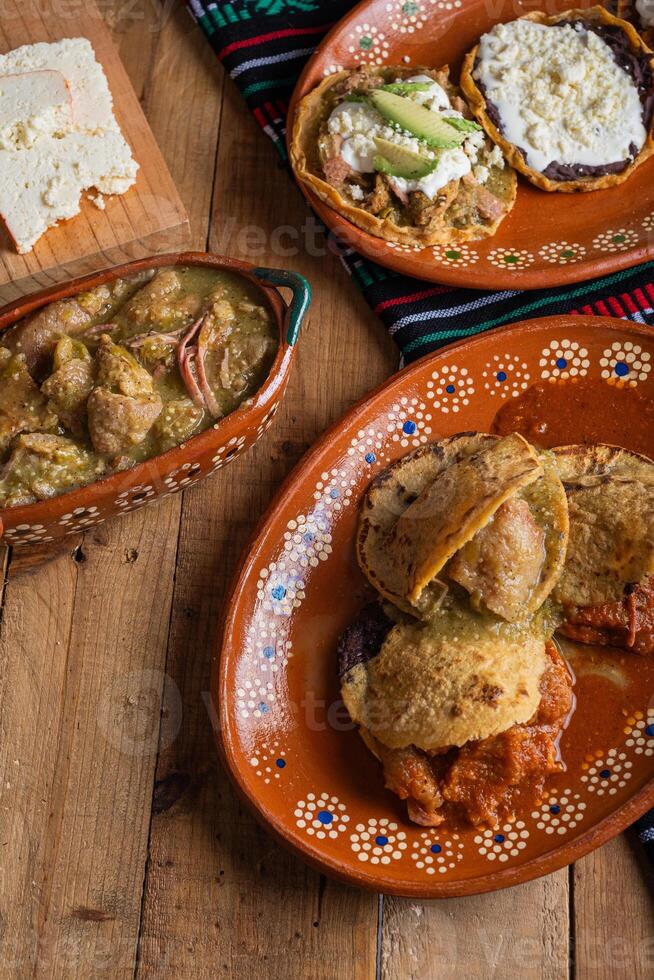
<point x="34" y="104"/>
<point x="75" y="58"/>
<point x="44" y="184"/>
<point x="42" y="178"/>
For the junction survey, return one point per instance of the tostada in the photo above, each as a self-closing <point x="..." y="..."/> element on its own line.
<point x="395" y="151"/>
<point x="569" y="98"/>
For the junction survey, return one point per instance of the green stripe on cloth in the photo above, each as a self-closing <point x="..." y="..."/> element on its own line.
<point x="516" y="313"/>
<point x="268" y="84"/>
<point x="207" y="26"/>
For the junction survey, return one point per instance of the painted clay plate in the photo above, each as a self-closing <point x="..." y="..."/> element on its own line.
<point x="548" y="239"/>
<point x="285" y="734"/>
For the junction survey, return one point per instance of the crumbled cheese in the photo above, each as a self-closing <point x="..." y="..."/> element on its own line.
<point x="44" y="171"/>
<point x="98" y="200"/>
<point x="34" y="104"/>
<point x="359" y="122"/>
<point x="356" y="192"/>
<point x="645" y="10"/>
<point x="434" y="98"/>
<point x="481" y="174"/>
<point x="560" y="94"/>
<point x="495" y="158"/>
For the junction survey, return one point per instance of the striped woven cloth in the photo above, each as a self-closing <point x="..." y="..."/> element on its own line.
<point x="264" y="45"/>
<point x="644" y="828"/>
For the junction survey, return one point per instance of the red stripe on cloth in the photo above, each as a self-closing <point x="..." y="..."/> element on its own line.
<point x="273" y="112"/>
<point x="602" y="307"/>
<point x="283" y="108"/>
<point x="641" y="298"/>
<point x="586" y="310"/>
<point x="615" y="306"/>
<point x="247" y="42"/>
<point x="260" y="118"/>
<point x="629" y="303"/>
<point x="649" y="289"/>
<point x="411" y="297"/>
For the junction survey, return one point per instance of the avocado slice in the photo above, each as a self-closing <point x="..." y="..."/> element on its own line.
<point x="416" y="119"/>
<point x="398" y="161"/>
<point x="405" y="88"/>
<point x="462" y="125"/>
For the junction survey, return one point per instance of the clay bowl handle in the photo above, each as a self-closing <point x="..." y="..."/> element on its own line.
<point x="301" y="297"/>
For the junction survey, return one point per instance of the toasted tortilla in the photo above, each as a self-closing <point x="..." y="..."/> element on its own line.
<point x="423" y="509"/>
<point x="611" y="507"/>
<point x="316" y="107"/>
<point x="454" y="506"/>
<point x="459" y="677"/>
<point x="626" y="10"/>
<point x="477" y="102"/>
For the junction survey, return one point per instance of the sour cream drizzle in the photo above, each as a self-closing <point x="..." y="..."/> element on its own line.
<point x="359" y="122"/>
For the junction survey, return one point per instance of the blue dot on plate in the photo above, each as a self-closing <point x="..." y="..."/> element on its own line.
<point x="381" y="840"/>
<point x="555" y="808"/>
<point x="325" y="817"/>
<point x="501" y="375"/>
<point x="435" y="848"/>
<point x="605" y="773"/>
<point x="268" y="652"/>
<point x="649" y="730"/>
<point x="280" y="763"/>
<point x="334" y="493"/>
<point x="370" y="458"/>
<point x="450" y="389"/>
<point x="561" y="363"/>
<point x="263" y="707"/>
<point x="621" y="369"/>
<point x="309" y="537"/>
<point x="409" y="427"/>
<point x="499" y="838"/>
<point x="278" y="592"/>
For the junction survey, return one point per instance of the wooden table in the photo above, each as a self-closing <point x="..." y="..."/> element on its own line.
<point x="124" y="850"/>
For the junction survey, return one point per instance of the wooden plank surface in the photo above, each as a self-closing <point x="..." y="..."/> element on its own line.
<point x="149" y="217"/>
<point x="481" y="936"/>
<point x="125" y="852"/>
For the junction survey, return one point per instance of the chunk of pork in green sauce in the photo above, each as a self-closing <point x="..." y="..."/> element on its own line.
<point x="123" y="372"/>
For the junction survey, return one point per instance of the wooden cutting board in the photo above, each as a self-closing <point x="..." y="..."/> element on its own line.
<point x="149" y="218"/>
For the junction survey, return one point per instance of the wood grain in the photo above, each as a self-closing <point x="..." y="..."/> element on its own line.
<point x="149" y="217"/>
<point x="216" y="883"/>
<point x="483" y="936"/>
<point x="614" y="914"/>
<point x="124" y="851"/>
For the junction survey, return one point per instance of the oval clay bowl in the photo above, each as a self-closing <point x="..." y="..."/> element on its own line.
<point x="184" y="465"/>
<point x="284" y="733"/>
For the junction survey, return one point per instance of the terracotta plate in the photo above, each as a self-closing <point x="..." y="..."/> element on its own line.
<point x="285" y="734"/>
<point x="548" y="239"/>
